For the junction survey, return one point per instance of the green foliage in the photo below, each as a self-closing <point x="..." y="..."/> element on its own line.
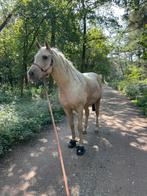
<point x="134" y="85"/>
<point x="114" y="83"/>
<point x="130" y="89"/>
<point x="22" y="119"/>
<point x="57" y="21"/>
<point x="98" y="48"/>
<point x="5" y="96"/>
<point x="134" y="73"/>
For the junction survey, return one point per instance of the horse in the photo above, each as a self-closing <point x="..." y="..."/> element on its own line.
<point x="77" y="91"/>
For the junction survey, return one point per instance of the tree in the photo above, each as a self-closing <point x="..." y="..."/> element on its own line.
<point x="136" y="32"/>
<point x="87" y="15"/>
<point x="98" y="49"/>
<point x="65" y="24"/>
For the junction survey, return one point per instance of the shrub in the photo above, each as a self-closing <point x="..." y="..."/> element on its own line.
<point x="5" y="96"/>
<point x="131" y="90"/>
<point x="141" y="99"/>
<point x="22" y="119"/>
<point x="114" y="83"/>
<point x="122" y="85"/>
<point x="134" y="85"/>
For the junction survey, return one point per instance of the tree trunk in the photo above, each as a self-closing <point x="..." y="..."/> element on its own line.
<point x="25" y="76"/>
<point x="84" y="37"/>
<point x="22" y="86"/>
<point x="10" y="77"/>
<point x="53" y="31"/>
<point x="53" y="42"/>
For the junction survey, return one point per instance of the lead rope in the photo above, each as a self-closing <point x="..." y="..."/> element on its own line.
<point x="58" y="143"/>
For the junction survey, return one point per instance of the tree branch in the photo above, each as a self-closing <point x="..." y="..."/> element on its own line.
<point x="6" y="21"/>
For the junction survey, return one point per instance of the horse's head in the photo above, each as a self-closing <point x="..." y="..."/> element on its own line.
<point x="42" y="65"/>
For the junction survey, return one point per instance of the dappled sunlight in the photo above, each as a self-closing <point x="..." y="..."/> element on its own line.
<point x="42" y="149"/>
<point x="125" y="120"/>
<point x="11" y="167"/>
<point x="75" y="190"/>
<point x="139" y="146"/>
<point x="10" y="170"/>
<point x="30" y="174"/>
<point x="38" y="152"/>
<point x="6" y="190"/>
<point x="120" y="145"/>
<point x="141" y="143"/>
<point x="95" y="147"/>
<point x="106" y="142"/>
<point x="116" y="122"/>
<point x="26" y="180"/>
<point x="85" y="141"/>
<point x="43" y="140"/>
<point x="24" y="186"/>
<point x="134" y="128"/>
<point x="50" y="192"/>
<point x="23" y="175"/>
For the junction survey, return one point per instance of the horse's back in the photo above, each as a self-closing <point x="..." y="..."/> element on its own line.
<point x="91" y="76"/>
<point x="94" y="87"/>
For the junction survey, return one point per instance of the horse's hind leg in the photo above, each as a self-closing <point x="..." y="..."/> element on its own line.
<point x="70" y="118"/>
<point x="86" y="120"/>
<point x="97" y="105"/>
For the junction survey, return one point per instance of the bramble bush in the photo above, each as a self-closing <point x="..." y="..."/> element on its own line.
<point x="22" y="119"/>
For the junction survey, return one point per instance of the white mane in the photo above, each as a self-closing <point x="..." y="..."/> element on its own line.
<point x="63" y="63"/>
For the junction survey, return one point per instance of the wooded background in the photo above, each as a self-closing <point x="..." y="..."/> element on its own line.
<point x="77" y="29"/>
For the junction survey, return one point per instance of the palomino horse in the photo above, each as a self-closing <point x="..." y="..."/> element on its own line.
<point x="77" y="91"/>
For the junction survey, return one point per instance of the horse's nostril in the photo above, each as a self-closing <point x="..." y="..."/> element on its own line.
<point x="31" y="73"/>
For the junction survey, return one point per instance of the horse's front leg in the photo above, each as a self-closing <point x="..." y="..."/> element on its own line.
<point x="70" y="118"/>
<point x="80" y="148"/>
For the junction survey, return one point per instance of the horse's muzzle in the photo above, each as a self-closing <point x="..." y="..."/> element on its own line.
<point x="31" y="76"/>
<point x="31" y="73"/>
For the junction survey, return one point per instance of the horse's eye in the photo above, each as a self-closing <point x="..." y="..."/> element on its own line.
<point x="44" y="57"/>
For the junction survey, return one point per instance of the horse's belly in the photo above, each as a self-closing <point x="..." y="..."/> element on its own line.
<point x="93" y="92"/>
<point x="92" y="98"/>
<point x="72" y="99"/>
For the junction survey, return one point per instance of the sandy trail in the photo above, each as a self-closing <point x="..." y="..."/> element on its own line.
<point x="115" y="163"/>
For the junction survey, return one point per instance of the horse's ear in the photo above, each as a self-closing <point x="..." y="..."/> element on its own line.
<point x="47" y="46"/>
<point x="38" y="44"/>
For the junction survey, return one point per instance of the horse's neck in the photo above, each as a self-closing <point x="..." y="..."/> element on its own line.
<point x="65" y="76"/>
<point x="61" y="79"/>
<point x="62" y="76"/>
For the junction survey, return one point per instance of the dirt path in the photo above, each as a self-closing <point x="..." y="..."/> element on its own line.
<point x="115" y="163"/>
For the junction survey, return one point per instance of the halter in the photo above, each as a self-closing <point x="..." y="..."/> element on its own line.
<point x="42" y="69"/>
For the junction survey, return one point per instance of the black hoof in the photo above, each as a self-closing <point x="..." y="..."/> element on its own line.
<point x="72" y="144"/>
<point x="80" y="150"/>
